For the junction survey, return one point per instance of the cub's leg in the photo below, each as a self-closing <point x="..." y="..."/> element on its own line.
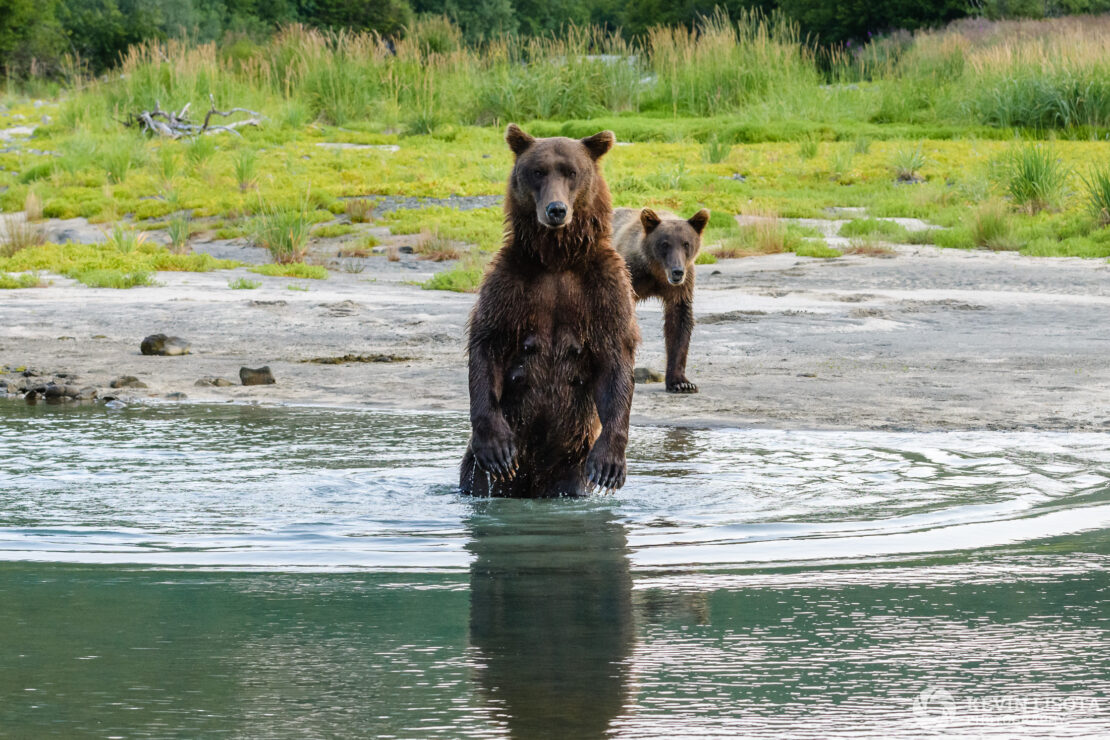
<point x="678" y="325"/>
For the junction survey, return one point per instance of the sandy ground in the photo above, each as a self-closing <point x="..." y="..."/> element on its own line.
<point x="928" y="339"/>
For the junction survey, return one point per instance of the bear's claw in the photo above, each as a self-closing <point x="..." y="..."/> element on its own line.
<point x="682" y="386"/>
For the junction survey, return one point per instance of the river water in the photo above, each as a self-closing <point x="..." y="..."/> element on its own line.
<point x="247" y="572"/>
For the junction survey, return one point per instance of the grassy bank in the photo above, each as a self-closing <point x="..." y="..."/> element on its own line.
<point x="742" y="117"/>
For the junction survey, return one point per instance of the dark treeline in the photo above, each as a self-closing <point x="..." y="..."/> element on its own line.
<point x="38" y="36"/>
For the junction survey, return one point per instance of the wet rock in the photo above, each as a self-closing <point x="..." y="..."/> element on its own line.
<point x="127" y="381"/>
<point x="211" y="380"/>
<point x="115" y="404"/>
<point x="161" y="344"/>
<point x="647" y="375"/>
<point x="56" y="390"/>
<point x="176" y="396"/>
<point x="87" y="394"/>
<point x="256" y="376"/>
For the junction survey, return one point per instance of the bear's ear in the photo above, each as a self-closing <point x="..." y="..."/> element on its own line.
<point x="649" y="219"/>
<point x="699" y="220"/>
<point x="518" y="140"/>
<point x="599" y="143"/>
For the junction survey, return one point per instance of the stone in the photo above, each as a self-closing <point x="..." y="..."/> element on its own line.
<point x="259" y="376"/>
<point x="211" y="380"/>
<point x="161" y="344"/>
<point x="127" y="381"/>
<point x="647" y="375"/>
<point x="115" y="404"/>
<point x="176" y="396"/>
<point x="87" y="394"/>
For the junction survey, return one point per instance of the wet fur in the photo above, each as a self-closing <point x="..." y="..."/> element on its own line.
<point x="652" y="243"/>
<point x="552" y="337"/>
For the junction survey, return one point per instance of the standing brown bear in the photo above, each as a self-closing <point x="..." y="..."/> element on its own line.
<point x="660" y="249"/>
<point x="553" y="336"/>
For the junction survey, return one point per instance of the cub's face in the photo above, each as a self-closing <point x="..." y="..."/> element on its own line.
<point x="672" y="244"/>
<point x="555" y="174"/>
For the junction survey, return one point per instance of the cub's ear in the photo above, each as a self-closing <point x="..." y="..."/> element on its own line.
<point x="599" y="143"/>
<point x="518" y="140"/>
<point x="699" y="220"/>
<point x="649" y="219"/>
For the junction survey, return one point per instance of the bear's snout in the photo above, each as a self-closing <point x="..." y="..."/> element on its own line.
<point x="556" y="212"/>
<point x="676" y="276"/>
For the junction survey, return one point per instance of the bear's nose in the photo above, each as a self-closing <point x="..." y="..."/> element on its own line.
<point x="677" y="276"/>
<point x="556" y="212"/>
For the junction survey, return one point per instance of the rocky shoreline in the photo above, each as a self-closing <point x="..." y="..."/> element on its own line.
<point x="929" y="339"/>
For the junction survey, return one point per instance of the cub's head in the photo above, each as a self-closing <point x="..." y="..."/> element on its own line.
<point x="555" y="175"/>
<point x="671" y="243"/>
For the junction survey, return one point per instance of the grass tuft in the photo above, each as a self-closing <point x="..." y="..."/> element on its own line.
<point x="906" y="163"/>
<point x="464" y="277"/>
<point x="1097" y="182"/>
<point x="284" y="231"/>
<point x="715" y="151"/>
<point x="1035" y="179"/>
<point x="360" y="210"/>
<point x="244" y="284"/>
<point x="991" y="226"/>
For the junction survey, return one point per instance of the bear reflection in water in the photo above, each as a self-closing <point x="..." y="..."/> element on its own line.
<point x="551" y="618"/>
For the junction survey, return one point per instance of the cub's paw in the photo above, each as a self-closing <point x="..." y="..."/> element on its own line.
<point x="604" y="469"/>
<point x="681" y="385"/>
<point x="493" y="448"/>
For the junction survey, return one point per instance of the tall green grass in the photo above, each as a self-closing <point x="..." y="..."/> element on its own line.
<point x="1044" y="74"/>
<point x="1036" y="180"/>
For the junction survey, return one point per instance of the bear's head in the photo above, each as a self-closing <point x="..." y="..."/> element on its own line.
<point x="671" y="244"/>
<point x="555" y="176"/>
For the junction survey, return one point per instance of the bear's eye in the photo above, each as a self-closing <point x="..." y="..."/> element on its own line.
<point x="538" y="173"/>
<point x="685" y="245"/>
<point x="571" y="174"/>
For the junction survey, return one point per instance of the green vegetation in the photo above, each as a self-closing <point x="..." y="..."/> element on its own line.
<point x="359" y="210"/>
<point x="906" y="163"/>
<point x="244" y="284"/>
<point x="1098" y="194"/>
<point x="283" y="231"/>
<point x="114" y="278"/>
<point x="887" y="230"/>
<point x="1036" y="179"/>
<point x="330" y="231"/>
<point x="23" y="280"/>
<point x="816" y="249"/>
<point x="991" y="226"/>
<point x="463" y="278"/>
<point x="739" y="115"/>
<point x="104" y="265"/>
<point x="292" y="270"/>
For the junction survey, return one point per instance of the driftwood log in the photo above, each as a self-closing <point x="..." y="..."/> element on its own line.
<point x="175" y="125"/>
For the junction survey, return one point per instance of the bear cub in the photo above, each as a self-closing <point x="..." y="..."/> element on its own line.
<point x="552" y="338"/>
<point x="659" y="249"/>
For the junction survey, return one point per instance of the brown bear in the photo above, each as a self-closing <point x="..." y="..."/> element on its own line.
<point x="553" y="335"/>
<point x="659" y="249"/>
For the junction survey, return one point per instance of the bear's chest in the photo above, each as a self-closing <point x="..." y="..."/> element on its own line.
<point x="560" y="304"/>
<point x="554" y="337"/>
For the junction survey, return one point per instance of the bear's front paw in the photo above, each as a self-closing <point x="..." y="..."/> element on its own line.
<point x="604" y="469"/>
<point x="493" y="448"/>
<point x="680" y="385"/>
